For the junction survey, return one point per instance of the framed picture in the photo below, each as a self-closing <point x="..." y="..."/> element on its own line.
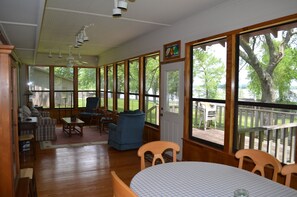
<point x="171" y="50"/>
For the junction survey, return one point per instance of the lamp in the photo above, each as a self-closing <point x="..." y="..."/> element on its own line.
<point x="116" y="12"/>
<point x="28" y="93"/>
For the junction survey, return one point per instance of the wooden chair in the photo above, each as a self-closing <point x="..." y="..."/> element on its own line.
<point x="120" y="189"/>
<point x="287" y="171"/>
<point x="261" y="159"/>
<point x="157" y="148"/>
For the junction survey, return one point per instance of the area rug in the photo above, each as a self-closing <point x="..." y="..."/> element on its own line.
<point x="91" y="136"/>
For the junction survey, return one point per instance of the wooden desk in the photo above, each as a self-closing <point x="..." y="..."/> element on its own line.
<point x="70" y="127"/>
<point x="203" y="179"/>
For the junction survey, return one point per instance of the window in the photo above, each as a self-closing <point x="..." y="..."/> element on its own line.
<point x="133" y="84"/>
<point x="208" y="92"/>
<point x="110" y="87"/>
<point x="102" y="84"/>
<point x="120" y="86"/>
<point x="267" y="91"/>
<point x="86" y="85"/>
<point x="63" y="87"/>
<point x="151" y="90"/>
<point x="39" y="85"/>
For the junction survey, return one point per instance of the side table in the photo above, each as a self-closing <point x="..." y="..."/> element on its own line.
<point x="27" y="132"/>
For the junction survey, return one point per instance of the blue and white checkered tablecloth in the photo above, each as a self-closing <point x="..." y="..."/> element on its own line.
<point x="196" y="179"/>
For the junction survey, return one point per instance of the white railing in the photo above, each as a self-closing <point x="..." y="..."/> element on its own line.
<point x="277" y="140"/>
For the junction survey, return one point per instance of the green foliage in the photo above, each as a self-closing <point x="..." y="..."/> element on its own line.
<point x="120" y="77"/>
<point x="272" y="64"/>
<point x="64" y="72"/>
<point x="134" y="76"/>
<point x="152" y="70"/>
<point x="87" y="78"/>
<point x="209" y="70"/>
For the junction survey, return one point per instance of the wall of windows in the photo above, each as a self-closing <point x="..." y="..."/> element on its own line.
<point x="70" y="86"/>
<point x="247" y="80"/>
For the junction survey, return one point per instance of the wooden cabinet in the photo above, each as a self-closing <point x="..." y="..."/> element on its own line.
<point x="9" y="156"/>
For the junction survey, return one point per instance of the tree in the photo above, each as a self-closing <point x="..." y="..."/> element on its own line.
<point x="86" y="78"/>
<point x="134" y="76"/>
<point x="209" y="70"/>
<point x="269" y="62"/>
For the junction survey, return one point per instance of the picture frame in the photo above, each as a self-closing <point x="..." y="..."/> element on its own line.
<point x="171" y="51"/>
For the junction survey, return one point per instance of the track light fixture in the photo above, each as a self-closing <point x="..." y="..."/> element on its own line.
<point x="123" y="5"/>
<point x="116" y="12"/>
<point x="81" y="36"/>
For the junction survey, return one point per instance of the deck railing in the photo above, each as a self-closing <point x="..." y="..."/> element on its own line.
<point x="277" y="140"/>
<point x="270" y="130"/>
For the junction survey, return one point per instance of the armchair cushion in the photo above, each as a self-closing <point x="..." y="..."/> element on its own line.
<point x="128" y="132"/>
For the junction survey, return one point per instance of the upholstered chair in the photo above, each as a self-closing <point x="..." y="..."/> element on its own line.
<point x="128" y="132"/>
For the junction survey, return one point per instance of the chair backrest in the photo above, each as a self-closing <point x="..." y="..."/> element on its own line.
<point x="208" y="107"/>
<point x="131" y="126"/>
<point x="120" y="189"/>
<point x="157" y="148"/>
<point x="92" y="104"/>
<point x="287" y="171"/>
<point x="261" y="159"/>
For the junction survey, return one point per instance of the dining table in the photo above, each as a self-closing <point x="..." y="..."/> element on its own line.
<point x="189" y="178"/>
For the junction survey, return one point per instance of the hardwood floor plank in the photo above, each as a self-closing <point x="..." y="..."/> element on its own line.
<point x="82" y="171"/>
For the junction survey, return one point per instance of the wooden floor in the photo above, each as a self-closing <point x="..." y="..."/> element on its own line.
<point x="81" y="171"/>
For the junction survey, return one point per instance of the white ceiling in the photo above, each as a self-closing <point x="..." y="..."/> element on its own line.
<point x="36" y="26"/>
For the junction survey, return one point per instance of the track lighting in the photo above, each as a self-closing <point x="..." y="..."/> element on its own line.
<point x="84" y="35"/>
<point x="81" y="36"/>
<point x="116" y="12"/>
<point x="122" y="4"/>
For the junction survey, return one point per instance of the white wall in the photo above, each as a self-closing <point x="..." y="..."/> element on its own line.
<point x="224" y="17"/>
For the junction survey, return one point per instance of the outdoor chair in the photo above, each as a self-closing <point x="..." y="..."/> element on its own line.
<point x="157" y="148"/>
<point x="287" y="171"/>
<point x="120" y="189"/>
<point x="260" y="159"/>
<point x="207" y="112"/>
